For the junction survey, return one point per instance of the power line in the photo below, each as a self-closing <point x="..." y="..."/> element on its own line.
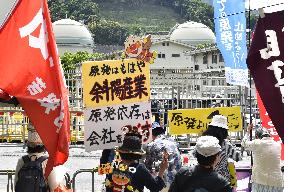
<point x="248" y="11"/>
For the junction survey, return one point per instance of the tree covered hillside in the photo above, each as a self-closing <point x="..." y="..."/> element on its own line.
<point x="111" y="21"/>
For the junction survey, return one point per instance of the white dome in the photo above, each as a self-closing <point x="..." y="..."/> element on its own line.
<point x="68" y="31"/>
<point x="193" y="33"/>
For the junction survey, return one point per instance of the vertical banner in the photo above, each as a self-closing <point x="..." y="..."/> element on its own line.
<point x="267" y="123"/>
<point x="230" y="28"/>
<point x="116" y="94"/>
<point x="265" y="61"/>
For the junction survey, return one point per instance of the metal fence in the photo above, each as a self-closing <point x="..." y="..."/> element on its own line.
<point x="71" y="184"/>
<point x="170" y="89"/>
<point x="10" y="181"/>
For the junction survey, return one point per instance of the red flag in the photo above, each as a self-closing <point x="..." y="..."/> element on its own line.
<point x="265" y="61"/>
<point x="4" y="96"/>
<point x="267" y="123"/>
<point x="30" y="71"/>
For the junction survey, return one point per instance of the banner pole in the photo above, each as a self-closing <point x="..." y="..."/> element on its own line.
<point x="250" y="99"/>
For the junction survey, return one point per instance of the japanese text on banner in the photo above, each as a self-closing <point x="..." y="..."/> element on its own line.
<point x="104" y="125"/>
<point x="31" y="72"/>
<point x="185" y="121"/>
<point x="230" y="28"/>
<point x="265" y="61"/>
<point x="112" y="82"/>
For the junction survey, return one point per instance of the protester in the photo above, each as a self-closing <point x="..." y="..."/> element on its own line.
<point x="155" y="150"/>
<point x="266" y="170"/>
<point x="30" y="169"/>
<point x="139" y="176"/>
<point x="202" y="177"/>
<point x="219" y="129"/>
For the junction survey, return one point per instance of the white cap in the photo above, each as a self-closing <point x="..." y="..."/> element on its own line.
<point x="33" y="136"/>
<point x="219" y="121"/>
<point x="207" y="146"/>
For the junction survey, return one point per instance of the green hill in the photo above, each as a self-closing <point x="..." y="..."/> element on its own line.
<point x="150" y="16"/>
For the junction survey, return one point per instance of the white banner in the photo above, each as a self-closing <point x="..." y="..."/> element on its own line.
<point x="104" y="125"/>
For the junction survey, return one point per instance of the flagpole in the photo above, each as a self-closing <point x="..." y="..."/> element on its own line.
<point x="250" y="100"/>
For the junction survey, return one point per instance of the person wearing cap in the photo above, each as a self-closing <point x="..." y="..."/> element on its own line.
<point x="35" y="150"/>
<point x="154" y="153"/>
<point x="130" y="153"/>
<point x="266" y="170"/>
<point x="219" y="129"/>
<point x="202" y="177"/>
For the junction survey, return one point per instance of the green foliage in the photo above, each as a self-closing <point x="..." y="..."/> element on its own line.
<point x="111" y="21"/>
<point x="85" y="10"/>
<point x="205" y="45"/>
<point x="69" y="60"/>
<point x="198" y="11"/>
<point x="108" y="32"/>
<point x="253" y="20"/>
<point x="139" y="16"/>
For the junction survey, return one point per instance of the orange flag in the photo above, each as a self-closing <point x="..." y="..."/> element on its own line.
<point x="31" y="72"/>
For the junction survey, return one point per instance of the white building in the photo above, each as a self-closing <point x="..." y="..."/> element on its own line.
<point x="72" y="36"/>
<point x="173" y="49"/>
<point x="189" y="72"/>
<point x="189" y="66"/>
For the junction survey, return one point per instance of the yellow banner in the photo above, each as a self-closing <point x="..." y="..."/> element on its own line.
<point x="114" y="82"/>
<point x="185" y="121"/>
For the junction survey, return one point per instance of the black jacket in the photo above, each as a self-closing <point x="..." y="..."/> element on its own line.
<point x="199" y="179"/>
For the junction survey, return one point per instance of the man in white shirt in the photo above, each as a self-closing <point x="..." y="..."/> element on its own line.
<point x="266" y="170"/>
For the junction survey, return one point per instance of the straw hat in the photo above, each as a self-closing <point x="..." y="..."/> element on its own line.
<point x="207" y="146"/>
<point x="219" y="121"/>
<point x="33" y="136"/>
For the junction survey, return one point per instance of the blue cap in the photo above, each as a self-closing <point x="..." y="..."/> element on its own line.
<point x="155" y="125"/>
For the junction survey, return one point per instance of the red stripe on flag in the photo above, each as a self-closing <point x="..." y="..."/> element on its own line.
<point x="267" y="123"/>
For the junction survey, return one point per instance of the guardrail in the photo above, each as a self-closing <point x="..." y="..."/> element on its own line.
<point x="92" y="171"/>
<point x="10" y="174"/>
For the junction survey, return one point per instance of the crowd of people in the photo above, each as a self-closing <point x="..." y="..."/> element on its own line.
<point x="157" y="165"/>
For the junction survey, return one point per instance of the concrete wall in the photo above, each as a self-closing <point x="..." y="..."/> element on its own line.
<point x="170" y="62"/>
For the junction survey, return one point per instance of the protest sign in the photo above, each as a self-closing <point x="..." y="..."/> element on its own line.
<point x="104" y="126"/>
<point x="107" y="83"/>
<point x="185" y="121"/>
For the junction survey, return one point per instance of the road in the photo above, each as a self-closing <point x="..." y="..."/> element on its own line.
<point x="78" y="159"/>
